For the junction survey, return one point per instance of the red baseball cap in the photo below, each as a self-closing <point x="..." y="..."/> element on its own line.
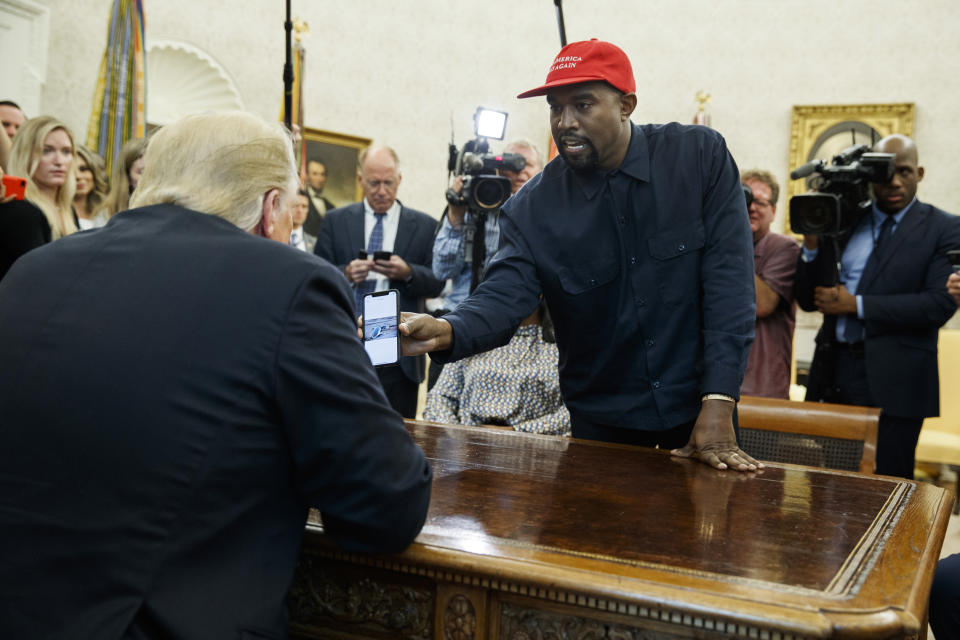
<point x="588" y="61"/>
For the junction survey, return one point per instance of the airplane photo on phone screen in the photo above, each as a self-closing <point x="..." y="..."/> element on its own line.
<point x="381" y="318"/>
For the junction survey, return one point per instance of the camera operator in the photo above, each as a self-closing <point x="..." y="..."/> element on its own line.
<point x="449" y="259"/>
<point x="878" y="343"/>
<point x="774" y="265"/>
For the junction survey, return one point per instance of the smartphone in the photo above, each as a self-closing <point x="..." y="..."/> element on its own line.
<point x="954" y="257"/>
<point x="381" y="323"/>
<point x="14" y="186"/>
<point x="361" y="255"/>
<point x="381" y="255"/>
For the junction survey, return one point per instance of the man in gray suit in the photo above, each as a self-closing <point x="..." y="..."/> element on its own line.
<point x="349" y="237"/>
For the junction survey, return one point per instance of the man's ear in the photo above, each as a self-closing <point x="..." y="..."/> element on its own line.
<point x="919" y="174"/>
<point x="628" y="102"/>
<point x="269" y="211"/>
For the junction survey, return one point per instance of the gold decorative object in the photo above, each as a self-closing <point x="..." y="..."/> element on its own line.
<point x="301" y="30"/>
<point x="702" y="117"/>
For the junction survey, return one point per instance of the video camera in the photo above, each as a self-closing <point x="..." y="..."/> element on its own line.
<point x="483" y="190"/>
<point x="842" y="190"/>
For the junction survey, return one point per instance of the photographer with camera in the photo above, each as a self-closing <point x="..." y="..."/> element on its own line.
<point x="878" y="280"/>
<point x="449" y="255"/>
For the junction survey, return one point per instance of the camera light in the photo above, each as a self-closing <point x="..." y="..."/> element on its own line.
<point x="490" y="123"/>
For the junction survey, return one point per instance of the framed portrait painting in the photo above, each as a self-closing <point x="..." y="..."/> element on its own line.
<point x="338" y="153"/>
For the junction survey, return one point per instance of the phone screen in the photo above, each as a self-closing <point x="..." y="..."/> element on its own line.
<point x="381" y="319"/>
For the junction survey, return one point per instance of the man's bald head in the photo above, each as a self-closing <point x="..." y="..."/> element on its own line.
<point x="899" y="145"/>
<point x="893" y="196"/>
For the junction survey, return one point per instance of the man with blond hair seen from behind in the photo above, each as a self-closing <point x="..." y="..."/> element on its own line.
<point x="165" y="496"/>
<point x="774" y="264"/>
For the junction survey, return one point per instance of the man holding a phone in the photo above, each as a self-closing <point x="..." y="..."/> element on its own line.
<point x="638" y="238"/>
<point x="953" y="282"/>
<point x="380" y="244"/>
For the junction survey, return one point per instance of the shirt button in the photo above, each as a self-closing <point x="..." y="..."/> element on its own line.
<point x="649" y="342"/>
<point x="682" y="247"/>
<point x="655" y="384"/>
<point x="623" y="220"/>
<point x="593" y="282"/>
<point x="633" y="260"/>
<point x="641" y="302"/>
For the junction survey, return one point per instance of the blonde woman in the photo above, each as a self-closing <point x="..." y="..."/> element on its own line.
<point x="88" y="200"/>
<point x="42" y="153"/>
<point x="126" y="174"/>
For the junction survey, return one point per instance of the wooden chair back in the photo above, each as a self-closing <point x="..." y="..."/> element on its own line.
<point x="818" y="434"/>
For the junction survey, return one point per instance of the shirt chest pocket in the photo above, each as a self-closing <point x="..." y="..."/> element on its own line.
<point x="589" y="276"/>
<point x="676" y="256"/>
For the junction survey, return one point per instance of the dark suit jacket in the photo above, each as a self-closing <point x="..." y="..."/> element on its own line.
<point x="341" y="239"/>
<point x="314" y="218"/>
<point x="174" y="394"/>
<point x="905" y="302"/>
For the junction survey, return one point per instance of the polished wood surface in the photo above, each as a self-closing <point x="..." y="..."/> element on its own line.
<point x="846" y="422"/>
<point x="545" y="526"/>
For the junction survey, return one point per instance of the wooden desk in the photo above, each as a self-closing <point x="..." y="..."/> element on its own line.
<point x="534" y="537"/>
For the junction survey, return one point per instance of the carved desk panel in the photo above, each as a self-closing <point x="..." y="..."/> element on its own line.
<point x="540" y="538"/>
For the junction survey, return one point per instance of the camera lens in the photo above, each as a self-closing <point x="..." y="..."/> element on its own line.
<point x="490" y="194"/>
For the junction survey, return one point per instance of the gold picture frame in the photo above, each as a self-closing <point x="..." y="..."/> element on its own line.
<point x="820" y="131"/>
<point x="339" y="153"/>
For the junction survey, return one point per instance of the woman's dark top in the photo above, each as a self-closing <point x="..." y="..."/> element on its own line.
<point x="22" y="227"/>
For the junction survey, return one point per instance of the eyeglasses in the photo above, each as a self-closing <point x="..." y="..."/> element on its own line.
<point x="763" y="204"/>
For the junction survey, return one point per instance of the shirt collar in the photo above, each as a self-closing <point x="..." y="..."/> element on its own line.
<point x="393" y="213"/>
<point x="636" y="164"/>
<point x="880" y="216"/>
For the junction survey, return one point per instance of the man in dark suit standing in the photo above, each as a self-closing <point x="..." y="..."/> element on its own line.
<point x="156" y="472"/>
<point x="319" y="205"/>
<point x="878" y="343"/>
<point x="381" y="223"/>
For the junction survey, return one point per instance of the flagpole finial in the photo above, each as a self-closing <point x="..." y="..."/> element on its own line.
<point x="301" y="30"/>
<point x="702" y="117"/>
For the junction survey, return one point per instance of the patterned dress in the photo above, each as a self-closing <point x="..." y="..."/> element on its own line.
<point x="516" y="385"/>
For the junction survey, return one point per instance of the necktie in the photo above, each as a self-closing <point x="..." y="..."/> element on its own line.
<point x="885" y="230"/>
<point x="853" y="331"/>
<point x="375" y="244"/>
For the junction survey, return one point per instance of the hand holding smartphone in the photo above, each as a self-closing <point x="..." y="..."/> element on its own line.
<point x="381" y="327"/>
<point x="954" y="257"/>
<point x="15" y="187"/>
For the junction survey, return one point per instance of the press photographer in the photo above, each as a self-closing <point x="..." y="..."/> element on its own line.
<point x="481" y="182"/>
<point x="876" y="271"/>
<point x="470" y="230"/>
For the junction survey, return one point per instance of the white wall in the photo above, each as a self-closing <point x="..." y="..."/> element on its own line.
<point x="398" y="71"/>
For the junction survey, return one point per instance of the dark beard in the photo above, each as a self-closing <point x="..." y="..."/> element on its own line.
<point x="583" y="164"/>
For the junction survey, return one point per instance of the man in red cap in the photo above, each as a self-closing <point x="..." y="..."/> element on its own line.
<point x="646" y="265"/>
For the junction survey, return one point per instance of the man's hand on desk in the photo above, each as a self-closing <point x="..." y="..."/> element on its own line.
<point x="422" y="333"/>
<point x="713" y="440"/>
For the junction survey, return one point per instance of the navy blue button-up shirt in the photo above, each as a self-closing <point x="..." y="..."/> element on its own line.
<point x="647" y="271"/>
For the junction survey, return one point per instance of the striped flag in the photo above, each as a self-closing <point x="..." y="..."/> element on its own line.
<point x="119" y="102"/>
